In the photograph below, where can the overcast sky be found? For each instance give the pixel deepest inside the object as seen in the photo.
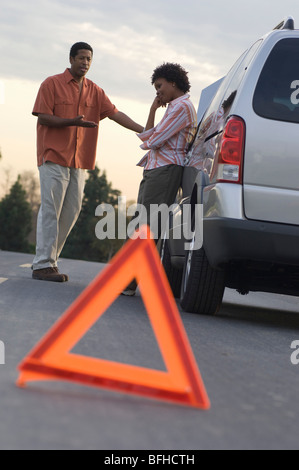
(130, 38)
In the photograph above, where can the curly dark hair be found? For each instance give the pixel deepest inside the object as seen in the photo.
(78, 46)
(173, 73)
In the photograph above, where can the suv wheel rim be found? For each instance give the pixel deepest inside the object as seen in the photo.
(188, 262)
(163, 248)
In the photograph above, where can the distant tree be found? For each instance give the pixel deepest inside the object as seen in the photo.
(30, 184)
(6, 180)
(15, 220)
(82, 242)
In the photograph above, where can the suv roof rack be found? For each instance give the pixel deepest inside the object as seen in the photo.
(288, 23)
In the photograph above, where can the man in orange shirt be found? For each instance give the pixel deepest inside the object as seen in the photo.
(69, 108)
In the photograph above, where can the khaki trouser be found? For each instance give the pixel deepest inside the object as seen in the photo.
(62, 192)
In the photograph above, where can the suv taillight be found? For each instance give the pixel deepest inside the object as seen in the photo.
(231, 151)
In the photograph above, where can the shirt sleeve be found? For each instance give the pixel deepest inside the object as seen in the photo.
(145, 135)
(107, 108)
(44, 103)
(170, 125)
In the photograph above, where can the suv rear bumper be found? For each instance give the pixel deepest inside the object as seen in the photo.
(228, 240)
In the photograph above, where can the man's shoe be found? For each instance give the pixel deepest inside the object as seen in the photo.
(65, 275)
(131, 289)
(129, 292)
(49, 274)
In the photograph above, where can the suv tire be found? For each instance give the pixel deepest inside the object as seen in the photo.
(202, 286)
(174, 275)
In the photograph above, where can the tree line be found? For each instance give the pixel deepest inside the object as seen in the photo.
(19, 210)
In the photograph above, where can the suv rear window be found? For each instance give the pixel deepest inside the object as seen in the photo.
(277, 92)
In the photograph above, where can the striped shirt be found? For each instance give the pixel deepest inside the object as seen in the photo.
(168, 141)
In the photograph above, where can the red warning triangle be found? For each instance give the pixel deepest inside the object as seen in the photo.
(51, 359)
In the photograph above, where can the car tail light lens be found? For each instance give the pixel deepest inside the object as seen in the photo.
(231, 151)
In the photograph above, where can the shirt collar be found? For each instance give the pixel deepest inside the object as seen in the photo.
(69, 77)
(180, 98)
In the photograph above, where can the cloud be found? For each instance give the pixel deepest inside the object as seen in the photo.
(129, 39)
(132, 37)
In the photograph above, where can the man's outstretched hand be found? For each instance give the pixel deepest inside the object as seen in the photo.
(79, 121)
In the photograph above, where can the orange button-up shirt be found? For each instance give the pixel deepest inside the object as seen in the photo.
(72, 146)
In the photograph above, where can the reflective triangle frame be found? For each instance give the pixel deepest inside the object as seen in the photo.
(51, 359)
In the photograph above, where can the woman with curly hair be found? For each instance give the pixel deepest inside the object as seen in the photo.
(166, 145)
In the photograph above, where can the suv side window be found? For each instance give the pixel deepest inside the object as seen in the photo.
(231, 92)
(277, 91)
(215, 116)
(195, 156)
(218, 98)
(227, 92)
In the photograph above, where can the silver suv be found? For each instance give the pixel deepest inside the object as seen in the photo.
(243, 172)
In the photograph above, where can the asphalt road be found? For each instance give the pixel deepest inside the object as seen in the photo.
(243, 355)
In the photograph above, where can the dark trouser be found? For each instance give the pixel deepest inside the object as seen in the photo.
(159, 186)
